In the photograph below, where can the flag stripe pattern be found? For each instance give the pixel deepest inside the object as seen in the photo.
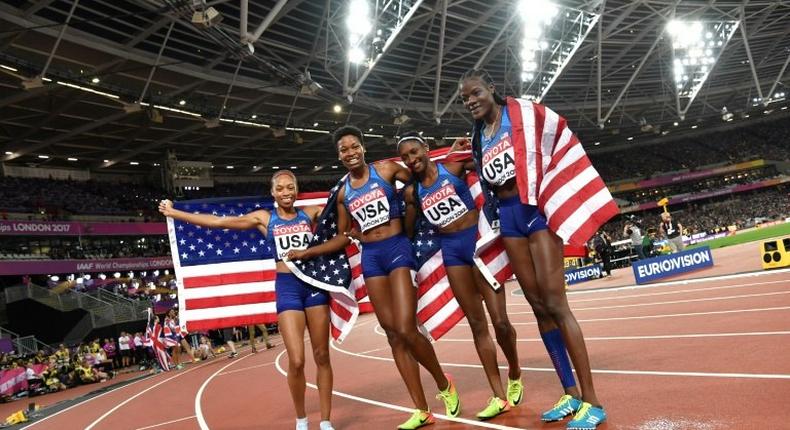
(554, 173)
(226, 278)
(333, 272)
(437, 309)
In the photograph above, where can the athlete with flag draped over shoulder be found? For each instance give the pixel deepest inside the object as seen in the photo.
(548, 193)
(299, 304)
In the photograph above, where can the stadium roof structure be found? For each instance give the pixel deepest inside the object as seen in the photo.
(116, 84)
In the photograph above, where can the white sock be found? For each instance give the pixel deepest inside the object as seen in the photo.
(301, 423)
(326, 425)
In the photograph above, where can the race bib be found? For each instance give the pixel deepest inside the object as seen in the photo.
(370, 209)
(294, 237)
(443, 206)
(498, 162)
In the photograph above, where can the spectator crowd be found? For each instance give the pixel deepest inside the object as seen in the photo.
(770, 141)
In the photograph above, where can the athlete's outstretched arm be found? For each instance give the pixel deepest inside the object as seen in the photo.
(255, 219)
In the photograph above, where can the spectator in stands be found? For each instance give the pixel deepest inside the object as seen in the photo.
(88, 374)
(139, 350)
(672, 231)
(63, 355)
(112, 352)
(41, 357)
(95, 346)
(204, 350)
(124, 349)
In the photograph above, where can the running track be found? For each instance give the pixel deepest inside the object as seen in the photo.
(709, 354)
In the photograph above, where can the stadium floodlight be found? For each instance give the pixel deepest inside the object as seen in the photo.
(696, 46)
(359, 24)
(371, 28)
(551, 35)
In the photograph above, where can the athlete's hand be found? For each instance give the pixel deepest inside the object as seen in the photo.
(461, 144)
(353, 234)
(294, 255)
(166, 207)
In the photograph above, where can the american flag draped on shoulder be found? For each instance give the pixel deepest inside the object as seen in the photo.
(226, 277)
(554, 173)
(338, 273)
(437, 309)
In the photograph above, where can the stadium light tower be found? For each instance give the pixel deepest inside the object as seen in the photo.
(696, 46)
(372, 26)
(551, 35)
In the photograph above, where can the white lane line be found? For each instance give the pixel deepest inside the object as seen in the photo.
(246, 368)
(645, 317)
(648, 337)
(398, 407)
(84, 402)
(119, 405)
(198, 409)
(378, 330)
(667, 293)
(672, 302)
(668, 283)
(374, 350)
(166, 423)
(600, 371)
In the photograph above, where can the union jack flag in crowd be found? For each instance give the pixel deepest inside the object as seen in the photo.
(153, 336)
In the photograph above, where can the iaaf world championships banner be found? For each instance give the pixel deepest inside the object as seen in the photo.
(67, 228)
(49, 267)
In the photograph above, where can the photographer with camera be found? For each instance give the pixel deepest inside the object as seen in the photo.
(633, 231)
(602, 244)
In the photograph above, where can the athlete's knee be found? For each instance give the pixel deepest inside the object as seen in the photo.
(556, 305)
(295, 364)
(321, 356)
(396, 338)
(479, 327)
(538, 307)
(503, 330)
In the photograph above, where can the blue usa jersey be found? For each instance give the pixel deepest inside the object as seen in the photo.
(284, 235)
(446, 200)
(372, 204)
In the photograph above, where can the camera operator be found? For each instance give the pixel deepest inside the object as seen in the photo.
(602, 244)
(633, 231)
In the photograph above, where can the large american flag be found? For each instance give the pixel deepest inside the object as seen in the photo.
(554, 173)
(226, 278)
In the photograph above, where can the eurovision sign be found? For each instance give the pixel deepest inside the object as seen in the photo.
(669, 265)
(49, 267)
(583, 274)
